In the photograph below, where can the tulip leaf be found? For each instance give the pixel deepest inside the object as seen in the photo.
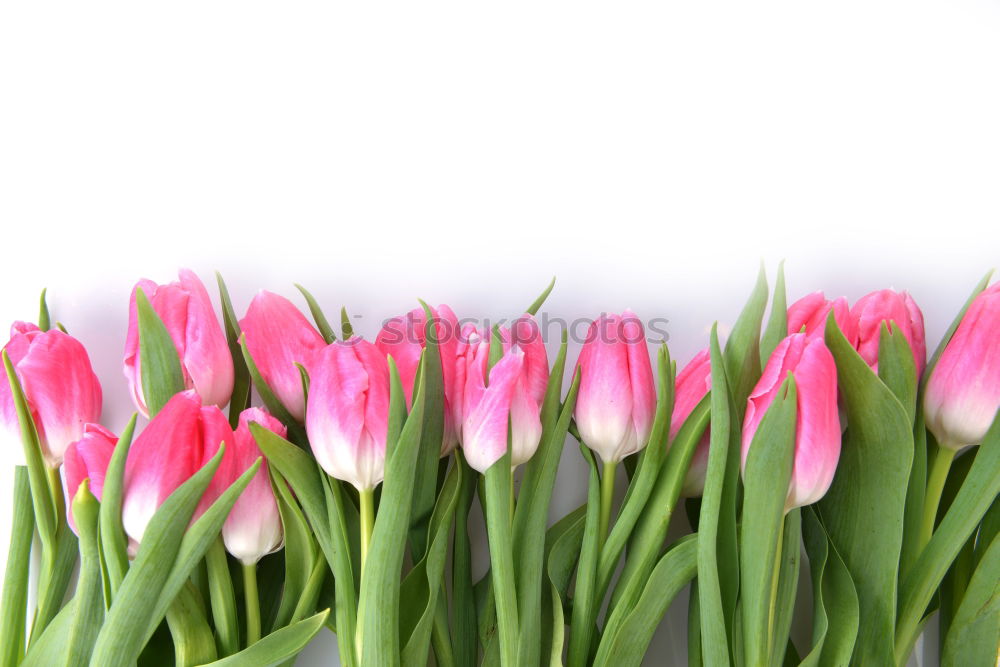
(44, 322)
(189, 629)
(317, 313)
(114, 544)
(342, 556)
(240, 400)
(536, 305)
(160, 366)
(277, 647)
(134, 608)
(585, 603)
(50, 648)
(975, 630)
(222, 598)
(788, 581)
(274, 406)
(896, 367)
(300, 549)
(625, 641)
(777, 322)
(743, 347)
(766, 477)
(463, 603)
(13, 608)
(974, 498)
(88, 601)
(562, 549)
(53, 579)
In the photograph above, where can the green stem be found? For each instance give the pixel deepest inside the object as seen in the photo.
(252, 603)
(607, 496)
(367, 523)
(501, 560)
(935, 485)
(56, 490)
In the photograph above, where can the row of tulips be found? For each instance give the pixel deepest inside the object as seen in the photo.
(344, 499)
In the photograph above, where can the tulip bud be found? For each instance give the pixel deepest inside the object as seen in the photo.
(253, 527)
(60, 387)
(88, 458)
(187, 313)
(693, 383)
(487, 403)
(179, 440)
(817, 425)
(529, 389)
(809, 313)
(347, 412)
(617, 397)
(404, 338)
(963, 392)
(887, 305)
(278, 336)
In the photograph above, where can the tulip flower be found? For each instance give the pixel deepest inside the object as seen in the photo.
(278, 336)
(88, 458)
(529, 390)
(809, 313)
(817, 425)
(693, 383)
(617, 398)
(178, 441)
(887, 305)
(347, 413)
(60, 387)
(187, 313)
(253, 527)
(404, 338)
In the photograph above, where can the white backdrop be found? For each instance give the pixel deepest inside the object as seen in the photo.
(648, 154)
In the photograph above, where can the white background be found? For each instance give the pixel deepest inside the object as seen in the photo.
(649, 154)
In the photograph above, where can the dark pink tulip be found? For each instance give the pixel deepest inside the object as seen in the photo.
(963, 392)
(278, 336)
(88, 458)
(887, 305)
(693, 383)
(347, 414)
(817, 427)
(617, 399)
(253, 527)
(404, 337)
(809, 314)
(60, 386)
(178, 441)
(187, 313)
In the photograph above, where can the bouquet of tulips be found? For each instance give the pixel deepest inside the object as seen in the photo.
(289, 478)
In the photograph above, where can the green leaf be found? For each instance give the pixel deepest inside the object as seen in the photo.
(88, 601)
(342, 558)
(777, 323)
(975, 630)
(50, 648)
(788, 582)
(562, 547)
(300, 549)
(53, 580)
(498, 528)
(160, 367)
(114, 544)
(896, 368)
(15, 584)
(743, 347)
(193, 640)
(626, 640)
(240, 400)
(766, 478)
(870, 482)
(278, 646)
(346, 330)
(222, 599)
(44, 322)
(321, 322)
(537, 303)
(463, 603)
(585, 602)
(835, 602)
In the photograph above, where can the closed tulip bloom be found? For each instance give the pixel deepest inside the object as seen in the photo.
(617, 397)
(529, 389)
(187, 313)
(347, 414)
(817, 425)
(487, 402)
(178, 441)
(278, 336)
(88, 458)
(809, 314)
(888, 305)
(963, 392)
(60, 387)
(253, 527)
(693, 384)
(404, 338)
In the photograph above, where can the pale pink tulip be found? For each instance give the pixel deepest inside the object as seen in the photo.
(88, 458)
(487, 402)
(529, 389)
(693, 383)
(887, 305)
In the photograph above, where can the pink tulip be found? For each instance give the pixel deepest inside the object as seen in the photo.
(278, 336)
(487, 402)
(187, 313)
(693, 383)
(60, 387)
(617, 398)
(253, 527)
(887, 305)
(404, 337)
(810, 313)
(817, 425)
(347, 413)
(178, 441)
(88, 458)
(963, 392)
(529, 389)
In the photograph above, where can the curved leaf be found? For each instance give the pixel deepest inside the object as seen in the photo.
(278, 646)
